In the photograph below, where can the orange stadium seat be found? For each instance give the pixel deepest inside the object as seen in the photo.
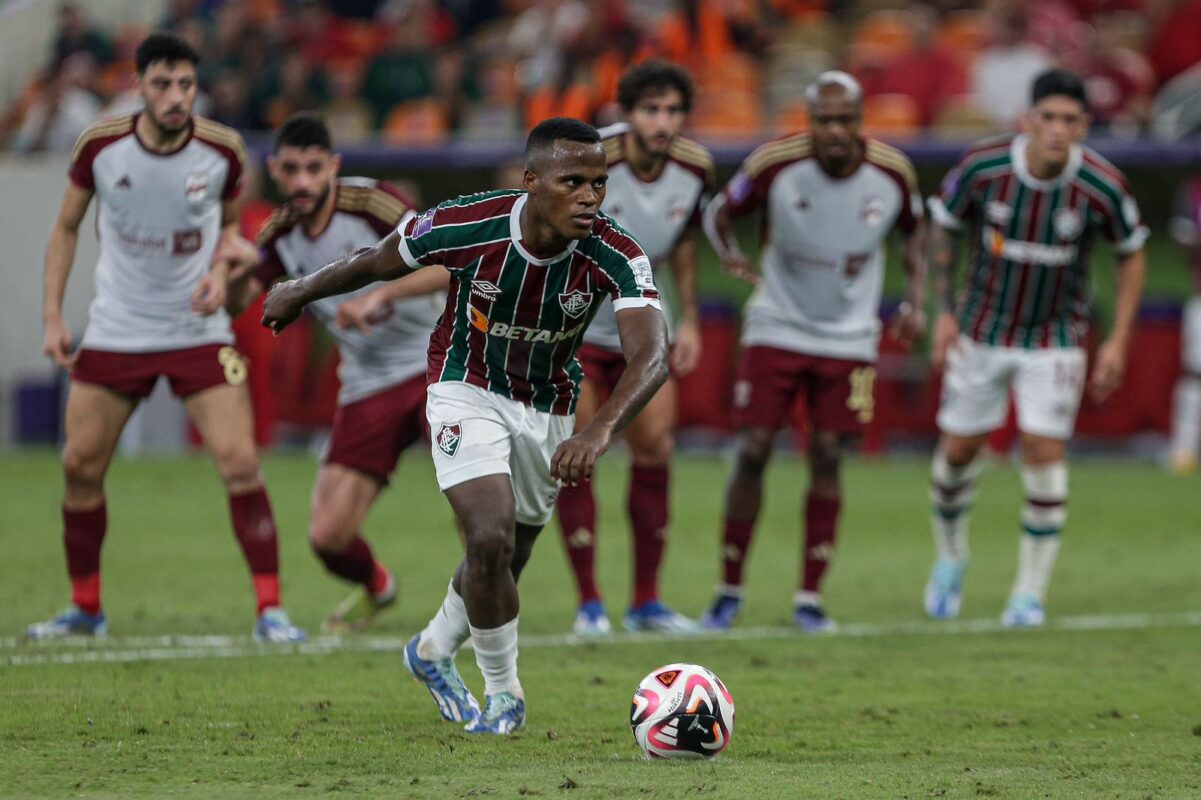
(578, 101)
(964, 34)
(730, 71)
(417, 122)
(962, 118)
(728, 115)
(792, 117)
(891, 116)
(886, 30)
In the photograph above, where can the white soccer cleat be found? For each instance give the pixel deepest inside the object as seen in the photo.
(274, 627)
(944, 590)
(592, 621)
(1023, 611)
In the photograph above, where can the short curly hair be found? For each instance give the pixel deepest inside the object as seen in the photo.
(654, 76)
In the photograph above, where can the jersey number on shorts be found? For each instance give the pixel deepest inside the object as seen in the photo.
(862, 399)
(233, 364)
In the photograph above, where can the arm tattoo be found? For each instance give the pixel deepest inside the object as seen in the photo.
(943, 257)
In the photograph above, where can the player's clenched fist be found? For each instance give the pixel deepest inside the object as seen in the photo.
(575, 458)
(56, 343)
(282, 306)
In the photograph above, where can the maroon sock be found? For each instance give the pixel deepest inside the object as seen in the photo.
(254, 526)
(83, 534)
(355, 564)
(821, 528)
(736, 546)
(577, 521)
(647, 505)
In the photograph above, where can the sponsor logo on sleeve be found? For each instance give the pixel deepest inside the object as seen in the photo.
(424, 224)
(740, 187)
(644, 277)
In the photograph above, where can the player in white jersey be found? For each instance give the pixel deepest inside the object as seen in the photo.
(1186, 397)
(381, 404)
(811, 328)
(167, 184)
(658, 182)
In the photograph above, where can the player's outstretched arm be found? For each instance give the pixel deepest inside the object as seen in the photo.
(1111, 355)
(686, 349)
(943, 258)
(60, 255)
(362, 267)
(644, 344)
(242, 259)
(719, 229)
(363, 313)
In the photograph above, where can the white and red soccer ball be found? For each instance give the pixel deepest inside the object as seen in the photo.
(682, 711)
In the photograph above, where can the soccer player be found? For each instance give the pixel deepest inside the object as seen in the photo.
(1186, 399)
(1029, 205)
(381, 338)
(811, 328)
(167, 184)
(529, 270)
(658, 181)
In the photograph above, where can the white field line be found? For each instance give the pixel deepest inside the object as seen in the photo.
(15, 651)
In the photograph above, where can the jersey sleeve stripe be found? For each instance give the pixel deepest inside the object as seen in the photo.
(882, 155)
(103, 129)
(279, 223)
(791, 149)
(218, 134)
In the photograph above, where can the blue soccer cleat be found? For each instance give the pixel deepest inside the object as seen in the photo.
(454, 700)
(274, 627)
(72, 622)
(503, 713)
(654, 616)
(722, 613)
(811, 618)
(944, 590)
(1024, 610)
(592, 620)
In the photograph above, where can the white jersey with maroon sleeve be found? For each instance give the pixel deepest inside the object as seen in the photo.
(365, 211)
(823, 249)
(159, 220)
(656, 213)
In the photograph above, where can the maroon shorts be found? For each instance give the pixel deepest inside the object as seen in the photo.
(838, 393)
(190, 370)
(370, 434)
(603, 367)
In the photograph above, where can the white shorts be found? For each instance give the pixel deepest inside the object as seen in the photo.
(1190, 336)
(476, 433)
(1047, 384)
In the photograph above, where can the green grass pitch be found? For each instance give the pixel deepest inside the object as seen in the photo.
(1108, 706)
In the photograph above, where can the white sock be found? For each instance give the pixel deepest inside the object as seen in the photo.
(447, 631)
(952, 490)
(1043, 517)
(803, 598)
(1186, 415)
(496, 655)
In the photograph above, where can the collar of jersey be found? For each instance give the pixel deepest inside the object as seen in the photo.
(1017, 152)
(515, 235)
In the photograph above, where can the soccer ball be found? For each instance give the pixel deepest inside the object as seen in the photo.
(682, 711)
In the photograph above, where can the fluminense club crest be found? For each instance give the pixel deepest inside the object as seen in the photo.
(448, 438)
(574, 303)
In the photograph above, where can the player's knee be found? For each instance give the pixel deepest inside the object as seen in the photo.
(655, 450)
(238, 467)
(755, 451)
(328, 534)
(959, 452)
(82, 470)
(490, 547)
(825, 455)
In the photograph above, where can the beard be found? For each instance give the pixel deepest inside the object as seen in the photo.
(169, 127)
(648, 147)
(318, 199)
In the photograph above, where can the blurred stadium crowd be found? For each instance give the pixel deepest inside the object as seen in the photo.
(427, 71)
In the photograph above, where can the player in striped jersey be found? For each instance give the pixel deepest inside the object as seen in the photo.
(381, 402)
(1029, 205)
(658, 183)
(811, 330)
(167, 184)
(529, 270)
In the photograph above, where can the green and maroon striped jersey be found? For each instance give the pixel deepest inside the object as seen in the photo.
(1027, 283)
(513, 321)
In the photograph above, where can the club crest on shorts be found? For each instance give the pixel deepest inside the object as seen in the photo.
(448, 438)
(574, 303)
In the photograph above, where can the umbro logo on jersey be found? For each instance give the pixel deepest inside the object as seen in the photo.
(574, 304)
(485, 289)
(124, 183)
